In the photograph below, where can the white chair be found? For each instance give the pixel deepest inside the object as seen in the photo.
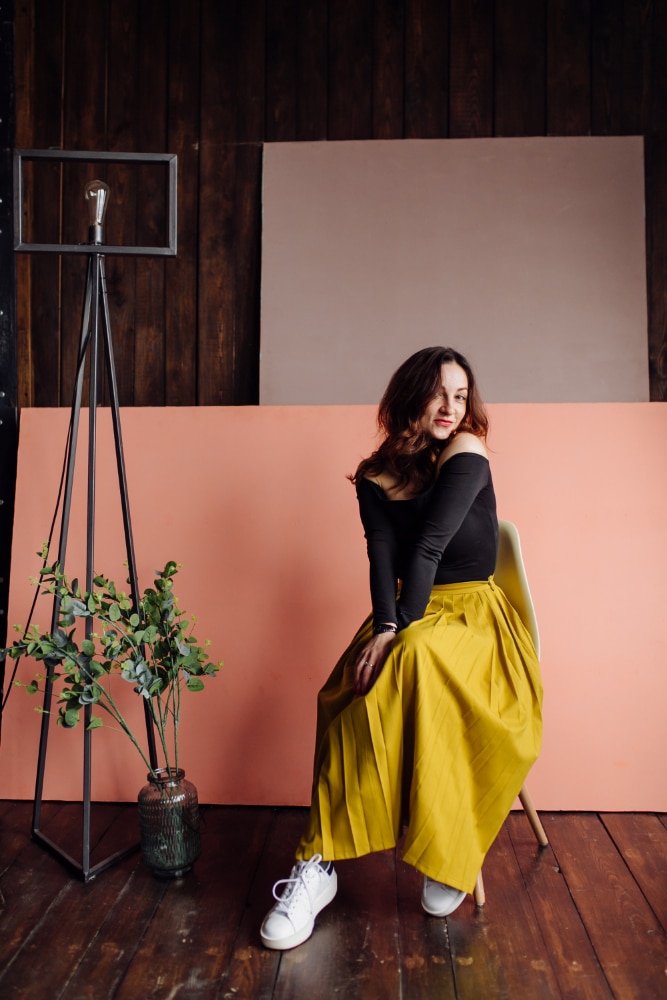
(510, 575)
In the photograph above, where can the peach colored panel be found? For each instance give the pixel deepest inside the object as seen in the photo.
(254, 503)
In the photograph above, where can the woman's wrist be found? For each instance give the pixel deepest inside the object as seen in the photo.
(385, 627)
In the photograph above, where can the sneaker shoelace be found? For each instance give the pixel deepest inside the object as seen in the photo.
(296, 884)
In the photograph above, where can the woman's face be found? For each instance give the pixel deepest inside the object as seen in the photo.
(446, 410)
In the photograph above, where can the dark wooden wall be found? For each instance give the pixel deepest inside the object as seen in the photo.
(8, 385)
(212, 80)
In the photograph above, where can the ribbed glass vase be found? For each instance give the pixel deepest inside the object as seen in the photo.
(169, 823)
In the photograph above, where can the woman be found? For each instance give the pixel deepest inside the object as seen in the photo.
(432, 717)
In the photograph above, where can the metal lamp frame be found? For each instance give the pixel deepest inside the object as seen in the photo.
(95, 332)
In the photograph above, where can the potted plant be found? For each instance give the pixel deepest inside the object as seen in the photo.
(151, 647)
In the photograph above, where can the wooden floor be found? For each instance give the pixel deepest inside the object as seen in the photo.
(583, 918)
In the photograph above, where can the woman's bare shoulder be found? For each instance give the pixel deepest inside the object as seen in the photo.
(385, 481)
(390, 488)
(464, 442)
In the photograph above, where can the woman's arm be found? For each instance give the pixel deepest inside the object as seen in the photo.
(382, 551)
(461, 478)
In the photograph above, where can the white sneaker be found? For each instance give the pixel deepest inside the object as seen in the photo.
(307, 891)
(438, 899)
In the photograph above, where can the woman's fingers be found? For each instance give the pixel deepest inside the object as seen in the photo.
(370, 671)
(365, 677)
(370, 662)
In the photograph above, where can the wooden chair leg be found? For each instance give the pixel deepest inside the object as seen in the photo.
(479, 894)
(538, 830)
(534, 819)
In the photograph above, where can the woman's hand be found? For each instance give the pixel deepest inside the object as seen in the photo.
(370, 661)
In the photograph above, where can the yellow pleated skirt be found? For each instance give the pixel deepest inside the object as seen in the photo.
(440, 745)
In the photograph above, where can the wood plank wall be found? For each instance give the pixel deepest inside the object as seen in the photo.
(8, 385)
(212, 80)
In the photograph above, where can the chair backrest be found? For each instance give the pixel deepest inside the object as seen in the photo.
(510, 575)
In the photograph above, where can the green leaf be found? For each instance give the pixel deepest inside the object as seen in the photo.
(59, 638)
(95, 723)
(69, 717)
(88, 647)
(114, 613)
(195, 684)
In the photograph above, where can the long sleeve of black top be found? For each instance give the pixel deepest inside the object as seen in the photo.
(410, 539)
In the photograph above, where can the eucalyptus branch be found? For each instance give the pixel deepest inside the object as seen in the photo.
(118, 717)
(150, 646)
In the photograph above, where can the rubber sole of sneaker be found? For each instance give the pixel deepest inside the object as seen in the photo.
(444, 911)
(298, 937)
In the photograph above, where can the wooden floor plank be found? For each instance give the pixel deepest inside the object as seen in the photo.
(353, 953)
(641, 840)
(498, 949)
(252, 969)
(29, 887)
(572, 956)
(119, 834)
(15, 821)
(119, 936)
(624, 931)
(102, 816)
(62, 935)
(10, 807)
(187, 947)
(426, 959)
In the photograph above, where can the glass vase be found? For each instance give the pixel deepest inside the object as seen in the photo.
(169, 823)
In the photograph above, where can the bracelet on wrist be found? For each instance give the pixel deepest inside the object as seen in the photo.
(385, 627)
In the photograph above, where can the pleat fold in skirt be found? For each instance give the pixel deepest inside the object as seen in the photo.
(439, 747)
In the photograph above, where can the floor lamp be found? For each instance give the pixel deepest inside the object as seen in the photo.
(95, 331)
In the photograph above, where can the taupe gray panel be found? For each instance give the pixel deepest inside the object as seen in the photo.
(526, 254)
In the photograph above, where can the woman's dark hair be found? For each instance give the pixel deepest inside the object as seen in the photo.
(407, 452)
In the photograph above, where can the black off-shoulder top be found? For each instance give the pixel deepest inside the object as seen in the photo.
(448, 534)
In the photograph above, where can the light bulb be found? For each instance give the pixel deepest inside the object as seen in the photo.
(97, 196)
